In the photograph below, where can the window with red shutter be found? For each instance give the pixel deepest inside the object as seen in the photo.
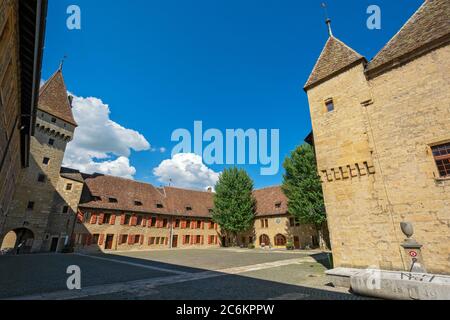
(101, 239)
(122, 219)
(101, 218)
(93, 218)
(113, 220)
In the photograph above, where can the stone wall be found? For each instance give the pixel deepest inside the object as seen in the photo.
(374, 157)
(9, 107)
(92, 233)
(45, 219)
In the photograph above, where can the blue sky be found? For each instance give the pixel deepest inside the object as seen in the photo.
(161, 65)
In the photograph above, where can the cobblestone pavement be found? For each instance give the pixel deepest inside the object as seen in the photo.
(235, 274)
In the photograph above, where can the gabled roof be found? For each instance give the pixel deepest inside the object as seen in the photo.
(336, 57)
(53, 98)
(430, 24)
(267, 200)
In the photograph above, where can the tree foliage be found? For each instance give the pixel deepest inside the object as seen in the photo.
(302, 187)
(234, 205)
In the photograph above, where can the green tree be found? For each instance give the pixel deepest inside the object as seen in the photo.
(302, 187)
(234, 205)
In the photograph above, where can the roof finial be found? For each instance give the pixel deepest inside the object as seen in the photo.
(61, 65)
(327, 19)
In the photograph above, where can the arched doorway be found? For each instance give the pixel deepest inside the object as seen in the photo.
(264, 240)
(21, 240)
(280, 240)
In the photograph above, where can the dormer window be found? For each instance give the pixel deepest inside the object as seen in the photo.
(138, 203)
(159, 206)
(96, 198)
(188, 208)
(53, 120)
(112, 200)
(330, 105)
(278, 205)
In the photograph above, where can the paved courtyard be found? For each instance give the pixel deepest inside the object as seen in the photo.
(235, 274)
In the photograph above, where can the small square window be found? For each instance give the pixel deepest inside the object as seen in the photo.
(112, 200)
(188, 208)
(30, 205)
(51, 142)
(138, 203)
(159, 206)
(65, 209)
(53, 120)
(42, 178)
(46, 161)
(330, 105)
(69, 187)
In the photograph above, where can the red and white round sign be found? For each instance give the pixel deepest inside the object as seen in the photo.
(413, 254)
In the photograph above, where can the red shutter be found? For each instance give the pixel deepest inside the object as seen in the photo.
(215, 226)
(192, 239)
(184, 239)
(80, 217)
(93, 218)
(144, 222)
(122, 219)
(130, 239)
(133, 221)
(101, 239)
(113, 220)
(101, 218)
(202, 226)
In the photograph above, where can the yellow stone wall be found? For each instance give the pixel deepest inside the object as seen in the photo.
(375, 161)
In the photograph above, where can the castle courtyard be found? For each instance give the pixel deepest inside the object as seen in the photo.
(192, 274)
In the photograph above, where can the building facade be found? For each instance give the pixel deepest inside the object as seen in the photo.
(117, 214)
(22, 28)
(382, 140)
(40, 209)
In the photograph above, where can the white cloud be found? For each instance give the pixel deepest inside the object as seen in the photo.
(100, 144)
(186, 170)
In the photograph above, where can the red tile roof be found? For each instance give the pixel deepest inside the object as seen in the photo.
(268, 200)
(175, 201)
(53, 98)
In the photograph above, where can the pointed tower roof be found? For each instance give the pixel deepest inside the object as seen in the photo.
(335, 58)
(53, 98)
(427, 28)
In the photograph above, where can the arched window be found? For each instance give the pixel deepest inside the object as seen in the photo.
(280, 240)
(264, 240)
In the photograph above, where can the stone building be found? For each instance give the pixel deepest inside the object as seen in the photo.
(41, 215)
(382, 140)
(274, 226)
(22, 28)
(121, 214)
